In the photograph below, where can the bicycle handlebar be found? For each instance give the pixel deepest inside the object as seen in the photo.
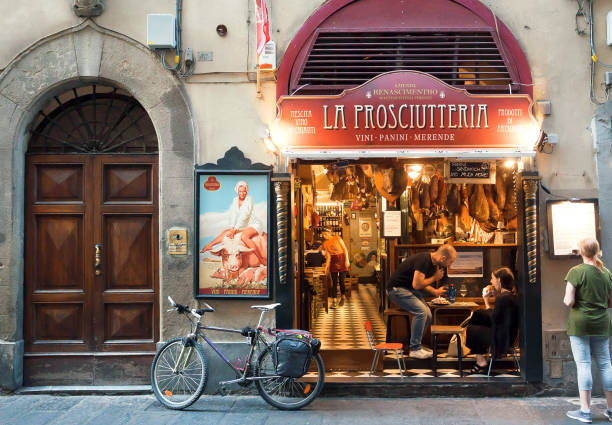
(180, 309)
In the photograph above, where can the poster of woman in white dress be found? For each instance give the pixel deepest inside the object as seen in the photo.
(232, 235)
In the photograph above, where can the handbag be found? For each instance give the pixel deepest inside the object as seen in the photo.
(452, 345)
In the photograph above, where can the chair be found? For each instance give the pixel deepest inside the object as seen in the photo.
(397, 348)
(349, 284)
(514, 356)
(446, 330)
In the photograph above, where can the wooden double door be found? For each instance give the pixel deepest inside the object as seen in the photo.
(91, 264)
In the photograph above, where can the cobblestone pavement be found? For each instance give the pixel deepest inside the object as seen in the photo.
(252, 410)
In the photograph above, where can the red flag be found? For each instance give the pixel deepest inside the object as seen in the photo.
(263, 25)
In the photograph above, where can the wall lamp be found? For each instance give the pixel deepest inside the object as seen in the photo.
(270, 145)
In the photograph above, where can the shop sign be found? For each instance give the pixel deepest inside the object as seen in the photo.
(406, 109)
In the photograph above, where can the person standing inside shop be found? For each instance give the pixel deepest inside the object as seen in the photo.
(588, 293)
(412, 277)
(336, 263)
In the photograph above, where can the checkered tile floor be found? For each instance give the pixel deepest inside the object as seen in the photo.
(343, 329)
(418, 373)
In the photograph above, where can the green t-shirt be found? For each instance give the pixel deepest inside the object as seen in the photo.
(589, 315)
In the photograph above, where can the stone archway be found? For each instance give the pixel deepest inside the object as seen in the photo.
(86, 52)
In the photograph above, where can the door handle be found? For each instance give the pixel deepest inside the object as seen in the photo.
(98, 259)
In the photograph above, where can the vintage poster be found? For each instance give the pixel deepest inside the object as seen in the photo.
(365, 228)
(232, 234)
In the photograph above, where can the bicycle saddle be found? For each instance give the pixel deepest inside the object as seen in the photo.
(266, 307)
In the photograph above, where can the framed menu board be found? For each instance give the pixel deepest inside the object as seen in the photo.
(568, 223)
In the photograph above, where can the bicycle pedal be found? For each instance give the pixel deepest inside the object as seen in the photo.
(223, 391)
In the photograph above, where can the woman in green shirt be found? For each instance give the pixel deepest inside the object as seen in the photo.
(588, 293)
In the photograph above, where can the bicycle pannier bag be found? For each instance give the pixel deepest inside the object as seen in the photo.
(292, 355)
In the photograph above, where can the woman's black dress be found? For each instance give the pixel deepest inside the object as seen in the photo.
(499, 325)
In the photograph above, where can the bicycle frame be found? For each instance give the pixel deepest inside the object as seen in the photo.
(241, 373)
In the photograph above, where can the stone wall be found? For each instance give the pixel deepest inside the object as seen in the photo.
(67, 59)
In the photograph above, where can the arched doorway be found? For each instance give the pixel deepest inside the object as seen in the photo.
(91, 245)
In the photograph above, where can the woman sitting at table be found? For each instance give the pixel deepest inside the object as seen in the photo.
(497, 326)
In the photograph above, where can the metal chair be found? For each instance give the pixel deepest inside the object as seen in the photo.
(514, 356)
(396, 347)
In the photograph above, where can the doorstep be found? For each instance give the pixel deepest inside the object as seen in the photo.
(87, 389)
(430, 387)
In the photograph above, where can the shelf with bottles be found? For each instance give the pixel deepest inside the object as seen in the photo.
(331, 222)
(327, 211)
(335, 230)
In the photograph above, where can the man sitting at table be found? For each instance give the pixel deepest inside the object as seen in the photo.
(407, 284)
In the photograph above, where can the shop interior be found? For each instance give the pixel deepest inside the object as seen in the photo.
(351, 200)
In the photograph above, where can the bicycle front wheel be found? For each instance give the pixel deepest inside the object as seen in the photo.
(178, 381)
(288, 393)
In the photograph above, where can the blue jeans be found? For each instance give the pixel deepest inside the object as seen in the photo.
(414, 304)
(582, 348)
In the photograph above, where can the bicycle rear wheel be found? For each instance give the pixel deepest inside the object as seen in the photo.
(289, 393)
(177, 386)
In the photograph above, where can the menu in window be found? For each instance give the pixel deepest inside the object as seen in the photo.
(571, 222)
(392, 224)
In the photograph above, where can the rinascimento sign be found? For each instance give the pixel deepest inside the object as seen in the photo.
(406, 109)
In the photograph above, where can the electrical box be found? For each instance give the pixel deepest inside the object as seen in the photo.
(609, 28)
(543, 107)
(267, 60)
(161, 31)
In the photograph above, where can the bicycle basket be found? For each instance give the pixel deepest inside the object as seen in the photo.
(293, 353)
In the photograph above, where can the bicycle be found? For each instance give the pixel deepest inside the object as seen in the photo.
(179, 371)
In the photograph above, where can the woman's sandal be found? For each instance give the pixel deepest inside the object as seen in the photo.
(478, 370)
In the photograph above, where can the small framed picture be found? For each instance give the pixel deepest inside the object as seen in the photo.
(353, 216)
(467, 264)
(232, 222)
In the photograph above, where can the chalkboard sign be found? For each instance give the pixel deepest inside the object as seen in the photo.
(470, 171)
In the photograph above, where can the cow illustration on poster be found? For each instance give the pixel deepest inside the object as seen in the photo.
(232, 235)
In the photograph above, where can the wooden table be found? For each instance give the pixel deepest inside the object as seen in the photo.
(468, 306)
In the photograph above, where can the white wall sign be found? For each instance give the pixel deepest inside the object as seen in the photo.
(568, 223)
(392, 224)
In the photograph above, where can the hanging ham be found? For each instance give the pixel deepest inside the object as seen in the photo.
(442, 195)
(434, 187)
(479, 207)
(510, 207)
(452, 200)
(493, 209)
(500, 190)
(424, 195)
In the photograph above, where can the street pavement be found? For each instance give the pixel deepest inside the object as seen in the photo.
(252, 410)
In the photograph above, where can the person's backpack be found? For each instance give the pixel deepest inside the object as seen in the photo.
(293, 351)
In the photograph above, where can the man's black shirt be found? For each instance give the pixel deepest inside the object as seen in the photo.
(404, 274)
